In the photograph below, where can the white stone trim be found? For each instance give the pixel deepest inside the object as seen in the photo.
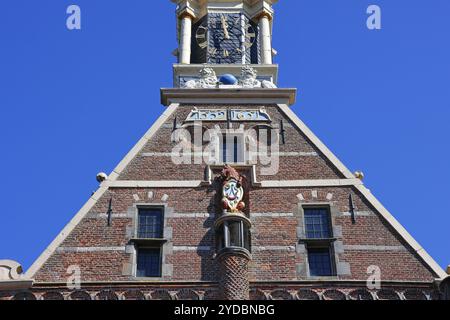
(192, 215)
(191, 248)
(270, 215)
(113, 216)
(310, 183)
(273, 248)
(154, 184)
(365, 192)
(403, 233)
(206, 154)
(89, 249)
(264, 184)
(295, 154)
(99, 193)
(373, 248)
(357, 213)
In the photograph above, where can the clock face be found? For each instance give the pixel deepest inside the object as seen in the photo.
(226, 37)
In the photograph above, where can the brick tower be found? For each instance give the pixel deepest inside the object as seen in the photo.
(229, 195)
(233, 239)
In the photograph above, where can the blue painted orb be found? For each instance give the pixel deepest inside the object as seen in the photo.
(228, 79)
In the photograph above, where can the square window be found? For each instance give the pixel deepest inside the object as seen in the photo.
(317, 223)
(320, 262)
(148, 263)
(150, 225)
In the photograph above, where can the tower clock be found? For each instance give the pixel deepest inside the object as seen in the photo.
(225, 38)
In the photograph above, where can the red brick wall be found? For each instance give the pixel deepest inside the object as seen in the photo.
(273, 265)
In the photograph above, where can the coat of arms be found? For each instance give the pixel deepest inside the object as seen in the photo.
(232, 192)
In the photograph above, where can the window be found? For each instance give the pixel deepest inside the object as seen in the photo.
(232, 149)
(319, 262)
(149, 262)
(317, 224)
(266, 135)
(233, 234)
(150, 223)
(318, 241)
(149, 241)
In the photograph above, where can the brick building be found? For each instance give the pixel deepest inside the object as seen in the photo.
(229, 195)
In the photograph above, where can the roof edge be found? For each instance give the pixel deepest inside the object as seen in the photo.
(420, 251)
(31, 272)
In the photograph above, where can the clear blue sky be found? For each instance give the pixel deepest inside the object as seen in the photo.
(74, 102)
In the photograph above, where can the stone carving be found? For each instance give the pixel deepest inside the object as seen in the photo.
(281, 294)
(187, 294)
(134, 295)
(208, 79)
(10, 270)
(414, 294)
(388, 294)
(248, 79)
(107, 295)
(53, 295)
(232, 192)
(213, 294)
(360, 294)
(26, 295)
(307, 294)
(207, 115)
(80, 295)
(222, 115)
(257, 294)
(250, 115)
(334, 294)
(161, 294)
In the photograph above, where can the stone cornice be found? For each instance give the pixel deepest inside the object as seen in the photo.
(187, 7)
(16, 284)
(196, 8)
(232, 95)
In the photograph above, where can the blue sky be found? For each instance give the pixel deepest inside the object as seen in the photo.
(74, 102)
